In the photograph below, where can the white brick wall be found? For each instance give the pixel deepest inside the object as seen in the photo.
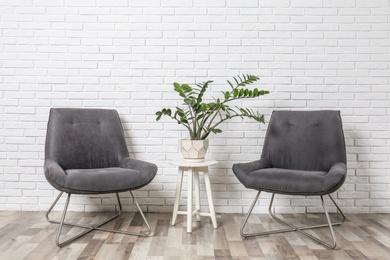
(125, 54)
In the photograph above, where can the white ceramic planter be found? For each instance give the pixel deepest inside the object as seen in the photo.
(194, 150)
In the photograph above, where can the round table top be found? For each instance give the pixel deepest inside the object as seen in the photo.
(184, 163)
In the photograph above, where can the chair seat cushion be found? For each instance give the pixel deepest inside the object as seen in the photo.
(286, 181)
(103, 180)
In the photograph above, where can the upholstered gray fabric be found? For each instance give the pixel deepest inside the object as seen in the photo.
(303, 154)
(305, 140)
(85, 138)
(86, 153)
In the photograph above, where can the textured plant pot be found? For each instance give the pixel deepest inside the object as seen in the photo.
(194, 150)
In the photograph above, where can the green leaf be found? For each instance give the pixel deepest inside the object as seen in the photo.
(200, 116)
(227, 95)
(235, 93)
(211, 105)
(215, 130)
(176, 86)
(201, 108)
(158, 115)
(186, 88)
(236, 80)
(187, 101)
(240, 78)
(231, 85)
(181, 114)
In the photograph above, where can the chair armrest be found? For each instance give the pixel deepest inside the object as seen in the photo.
(252, 166)
(54, 173)
(138, 165)
(335, 177)
(241, 170)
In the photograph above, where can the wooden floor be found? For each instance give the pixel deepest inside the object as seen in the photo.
(27, 235)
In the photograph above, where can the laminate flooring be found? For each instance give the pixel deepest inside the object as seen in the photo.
(27, 235)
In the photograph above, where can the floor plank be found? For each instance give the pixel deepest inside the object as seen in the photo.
(27, 235)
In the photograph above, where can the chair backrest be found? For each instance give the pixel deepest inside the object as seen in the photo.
(85, 138)
(305, 140)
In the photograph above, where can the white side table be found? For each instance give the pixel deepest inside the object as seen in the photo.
(193, 169)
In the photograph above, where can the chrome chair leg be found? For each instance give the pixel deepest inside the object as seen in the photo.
(247, 217)
(142, 215)
(95, 227)
(294, 228)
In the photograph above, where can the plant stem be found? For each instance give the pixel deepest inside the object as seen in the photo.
(186, 126)
(193, 120)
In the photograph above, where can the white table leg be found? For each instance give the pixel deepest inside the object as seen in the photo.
(177, 196)
(197, 194)
(189, 203)
(210, 197)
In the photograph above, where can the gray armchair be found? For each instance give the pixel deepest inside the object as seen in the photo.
(303, 154)
(86, 153)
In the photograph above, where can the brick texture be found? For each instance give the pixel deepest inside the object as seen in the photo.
(125, 54)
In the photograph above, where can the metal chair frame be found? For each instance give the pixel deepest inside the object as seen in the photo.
(293, 227)
(96, 227)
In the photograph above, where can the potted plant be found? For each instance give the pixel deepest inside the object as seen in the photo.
(202, 118)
